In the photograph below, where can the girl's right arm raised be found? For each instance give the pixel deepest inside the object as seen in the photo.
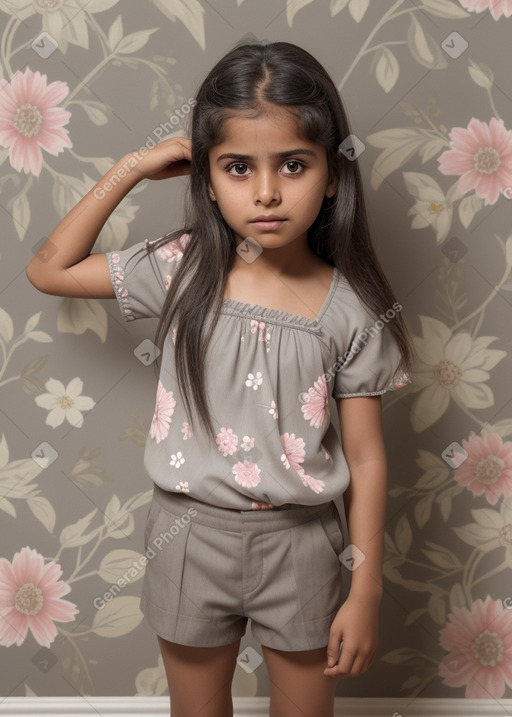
(64, 265)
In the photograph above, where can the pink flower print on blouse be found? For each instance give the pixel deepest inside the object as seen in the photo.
(226, 441)
(317, 486)
(164, 409)
(273, 410)
(174, 332)
(480, 644)
(183, 487)
(186, 430)
(260, 326)
(247, 474)
(294, 454)
(173, 250)
(247, 443)
(31, 599)
(488, 467)
(167, 282)
(316, 408)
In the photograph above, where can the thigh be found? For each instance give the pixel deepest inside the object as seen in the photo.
(199, 678)
(299, 687)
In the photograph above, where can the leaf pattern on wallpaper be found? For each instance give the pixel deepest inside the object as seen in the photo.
(17, 484)
(9, 343)
(77, 315)
(191, 14)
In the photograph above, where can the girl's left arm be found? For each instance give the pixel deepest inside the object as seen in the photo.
(356, 623)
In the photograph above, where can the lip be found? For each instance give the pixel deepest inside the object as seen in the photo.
(268, 218)
(270, 221)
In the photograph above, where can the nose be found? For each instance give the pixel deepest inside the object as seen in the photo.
(266, 187)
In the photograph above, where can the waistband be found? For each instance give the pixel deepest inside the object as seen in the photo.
(214, 516)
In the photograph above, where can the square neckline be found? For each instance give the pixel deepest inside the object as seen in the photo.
(265, 312)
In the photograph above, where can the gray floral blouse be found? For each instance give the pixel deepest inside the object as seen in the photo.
(269, 375)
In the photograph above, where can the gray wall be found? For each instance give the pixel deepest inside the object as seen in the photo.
(407, 82)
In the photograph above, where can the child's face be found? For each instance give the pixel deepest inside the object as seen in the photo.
(258, 183)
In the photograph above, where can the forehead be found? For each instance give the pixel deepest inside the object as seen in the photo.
(268, 132)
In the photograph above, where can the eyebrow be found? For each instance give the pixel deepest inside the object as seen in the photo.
(277, 155)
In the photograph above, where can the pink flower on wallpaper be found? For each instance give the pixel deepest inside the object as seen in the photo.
(164, 408)
(482, 156)
(497, 7)
(30, 119)
(30, 598)
(294, 452)
(247, 474)
(316, 408)
(174, 249)
(226, 441)
(480, 645)
(488, 467)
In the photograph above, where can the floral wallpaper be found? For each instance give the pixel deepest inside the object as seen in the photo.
(426, 84)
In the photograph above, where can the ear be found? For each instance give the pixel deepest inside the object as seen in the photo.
(211, 193)
(331, 188)
(333, 184)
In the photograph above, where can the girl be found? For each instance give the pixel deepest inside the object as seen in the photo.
(270, 300)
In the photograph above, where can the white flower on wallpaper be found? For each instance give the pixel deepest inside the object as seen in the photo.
(64, 403)
(492, 529)
(432, 207)
(451, 366)
(67, 20)
(64, 20)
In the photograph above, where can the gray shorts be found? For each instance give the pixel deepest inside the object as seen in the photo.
(209, 569)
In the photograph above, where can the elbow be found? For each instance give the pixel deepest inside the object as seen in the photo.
(35, 278)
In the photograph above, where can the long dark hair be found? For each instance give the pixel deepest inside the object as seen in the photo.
(246, 78)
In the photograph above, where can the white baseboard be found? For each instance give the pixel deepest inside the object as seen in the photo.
(250, 707)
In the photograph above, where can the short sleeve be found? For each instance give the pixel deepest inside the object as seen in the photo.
(142, 274)
(368, 354)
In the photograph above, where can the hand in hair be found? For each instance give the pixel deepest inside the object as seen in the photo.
(170, 158)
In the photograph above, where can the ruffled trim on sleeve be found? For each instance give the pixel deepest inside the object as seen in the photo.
(399, 380)
(116, 269)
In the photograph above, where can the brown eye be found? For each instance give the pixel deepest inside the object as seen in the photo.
(237, 166)
(296, 167)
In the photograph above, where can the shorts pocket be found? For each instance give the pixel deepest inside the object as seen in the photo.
(332, 528)
(151, 518)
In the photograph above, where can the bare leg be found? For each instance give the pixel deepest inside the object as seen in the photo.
(199, 678)
(299, 687)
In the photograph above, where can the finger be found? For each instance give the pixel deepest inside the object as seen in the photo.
(345, 663)
(333, 649)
